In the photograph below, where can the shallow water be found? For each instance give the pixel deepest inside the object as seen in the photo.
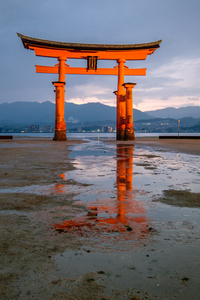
(124, 179)
(134, 242)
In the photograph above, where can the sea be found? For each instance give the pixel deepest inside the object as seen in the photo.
(95, 135)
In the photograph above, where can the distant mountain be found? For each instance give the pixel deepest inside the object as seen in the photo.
(27, 112)
(96, 112)
(89, 112)
(176, 113)
(44, 113)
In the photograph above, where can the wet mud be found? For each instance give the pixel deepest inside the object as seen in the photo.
(99, 220)
(181, 198)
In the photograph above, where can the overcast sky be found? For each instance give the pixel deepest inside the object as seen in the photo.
(173, 71)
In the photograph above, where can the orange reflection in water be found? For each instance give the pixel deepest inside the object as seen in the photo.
(59, 188)
(114, 215)
(62, 175)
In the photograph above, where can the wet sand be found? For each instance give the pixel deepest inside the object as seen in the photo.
(91, 221)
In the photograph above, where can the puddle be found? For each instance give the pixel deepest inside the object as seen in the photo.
(133, 243)
(124, 179)
(113, 209)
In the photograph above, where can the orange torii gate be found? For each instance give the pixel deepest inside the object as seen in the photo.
(92, 53)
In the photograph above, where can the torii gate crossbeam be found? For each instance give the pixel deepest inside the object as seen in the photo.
(85, 71)
(92, 53)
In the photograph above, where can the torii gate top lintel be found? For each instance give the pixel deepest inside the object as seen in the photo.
(80, 50)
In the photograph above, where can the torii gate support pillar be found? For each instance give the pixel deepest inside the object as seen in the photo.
(129, 134)
(60, 125)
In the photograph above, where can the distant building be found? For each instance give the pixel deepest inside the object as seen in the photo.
(107, 129)
(79, 129)
(47, 129)
(33, 128)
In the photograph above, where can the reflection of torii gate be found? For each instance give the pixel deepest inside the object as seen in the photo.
(124, 213)
(92, 53)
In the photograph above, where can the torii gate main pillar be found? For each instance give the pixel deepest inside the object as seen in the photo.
(60, 125)
(121, 101)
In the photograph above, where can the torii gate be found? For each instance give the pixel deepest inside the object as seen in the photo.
(92, 53)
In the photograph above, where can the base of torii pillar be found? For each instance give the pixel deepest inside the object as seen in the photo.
(120, 135)
(60, 135)
(129, 135)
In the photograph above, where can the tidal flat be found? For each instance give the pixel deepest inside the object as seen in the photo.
(100, 219)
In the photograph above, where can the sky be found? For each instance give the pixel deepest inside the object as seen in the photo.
(173, 70)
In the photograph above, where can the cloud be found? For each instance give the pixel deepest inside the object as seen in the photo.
(153, 104)
(172, 84)
(92, 100)
(184, 72)
(100, 90)
(193, 99)
(92, 90)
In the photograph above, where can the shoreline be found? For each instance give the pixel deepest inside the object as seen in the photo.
(183, 145)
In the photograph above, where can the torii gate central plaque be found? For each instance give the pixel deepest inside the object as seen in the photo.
(92, 53)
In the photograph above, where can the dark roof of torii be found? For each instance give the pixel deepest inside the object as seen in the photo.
(29, 41)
